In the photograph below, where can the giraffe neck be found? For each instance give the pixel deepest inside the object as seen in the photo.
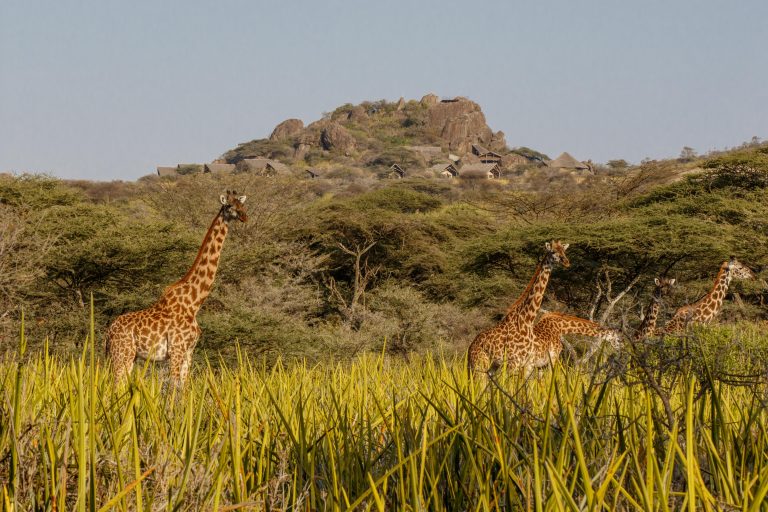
(192, 289)
(566, 324)
(713, 301)
(648, 325)
(531, 301)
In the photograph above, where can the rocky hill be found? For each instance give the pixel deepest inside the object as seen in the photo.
(376, 135)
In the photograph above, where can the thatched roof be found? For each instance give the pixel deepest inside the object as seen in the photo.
(396, 170)
(478, 150)
(277, 166)
(449, 168)
(261, 165)
(490, 157)
(312, 173)
(166, 171)
(486, 171)
(566, 161)
(189, 168)
(219, 168)
(253, 164)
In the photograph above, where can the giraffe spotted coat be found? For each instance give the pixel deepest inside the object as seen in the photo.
(662, 289)
(512, 338)
(549, 331)
(168, 329)
(708, 307)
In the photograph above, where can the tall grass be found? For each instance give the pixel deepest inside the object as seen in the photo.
(374, 434)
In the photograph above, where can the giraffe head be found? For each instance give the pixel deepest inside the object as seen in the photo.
(738, 270)
(555, 253)
(664, 287)
(232, 207)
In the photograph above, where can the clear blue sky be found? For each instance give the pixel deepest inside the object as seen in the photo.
(107, 90)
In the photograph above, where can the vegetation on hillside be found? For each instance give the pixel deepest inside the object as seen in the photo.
(338, 266)
(368, 138)
(384, 283)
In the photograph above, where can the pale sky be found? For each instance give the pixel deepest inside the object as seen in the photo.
(106, 90)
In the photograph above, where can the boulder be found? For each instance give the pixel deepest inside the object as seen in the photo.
(287, 129)
(336, 137)
(430, 100)
(357, 114)
(304, 143)
(460, 123)
(498, 141)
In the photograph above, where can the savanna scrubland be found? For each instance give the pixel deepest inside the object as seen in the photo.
(328, 268)
(330, 372)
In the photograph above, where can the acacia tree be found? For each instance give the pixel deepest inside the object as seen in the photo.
(687, 154)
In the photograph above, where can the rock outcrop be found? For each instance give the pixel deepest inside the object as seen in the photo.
(430, 100)
(498, 141)
(437, 127)
(357, 114)
(460, 123)
(304, 143)
(287, 129)
(336, 137)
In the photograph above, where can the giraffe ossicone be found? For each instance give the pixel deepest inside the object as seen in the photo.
(168, 328)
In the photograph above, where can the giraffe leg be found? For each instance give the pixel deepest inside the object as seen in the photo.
(186, 363)
(479, 363)
(176, 355)
(122, 354)
(181, 356)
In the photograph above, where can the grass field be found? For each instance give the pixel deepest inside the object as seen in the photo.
(374, 434)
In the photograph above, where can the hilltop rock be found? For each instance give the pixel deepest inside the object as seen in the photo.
(357, 114)
(374, 128)
(336, 137)
(287, 129)
(460, 122)
(430, 100)
(303, 144)
(498, 141)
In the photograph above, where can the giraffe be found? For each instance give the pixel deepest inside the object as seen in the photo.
(647, 327)
(168, 329)
(511, 338)
(549, 332)
(705, 309)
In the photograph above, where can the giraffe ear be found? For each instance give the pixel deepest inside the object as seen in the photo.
(565, 246)
(223, 199)
(657, 282)
(548, 246)
(242, 199)
(672, 282)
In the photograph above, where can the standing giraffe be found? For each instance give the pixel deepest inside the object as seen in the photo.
(168, 329)
(647, 327)
(705, 309)
(513, 336)
(549, 331)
